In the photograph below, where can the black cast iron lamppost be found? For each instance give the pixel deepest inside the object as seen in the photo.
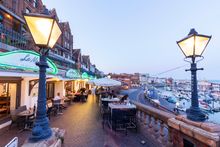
(45, 32)
(192, 47)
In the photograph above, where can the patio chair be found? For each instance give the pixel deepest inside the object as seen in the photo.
(67, 100)
(15, 119)
(131, 120)
(57, 106)
(31, 118)
(50, 109)
(105, 112)
(119, 120)
(21, 108)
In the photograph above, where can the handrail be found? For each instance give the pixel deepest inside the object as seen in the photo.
(160, 114)
(162, 127)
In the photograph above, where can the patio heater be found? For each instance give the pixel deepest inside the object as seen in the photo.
(193, 47)
(45, 32)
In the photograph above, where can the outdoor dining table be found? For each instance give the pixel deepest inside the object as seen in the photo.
(111, 99)
(106, 101)
(119, 106)
(26, 114)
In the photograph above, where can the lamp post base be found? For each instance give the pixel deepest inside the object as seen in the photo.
(41, 130)
(196, 114)
(56, 139)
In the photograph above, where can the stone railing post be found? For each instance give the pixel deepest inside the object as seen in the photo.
(155, 134)
(145, 118)
(170, 141)
(161, 137)
(138, 115)
(155, 122)
(150, 125)
(141, 117)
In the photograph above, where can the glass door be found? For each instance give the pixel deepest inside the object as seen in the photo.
(8, 93)
(12, 91)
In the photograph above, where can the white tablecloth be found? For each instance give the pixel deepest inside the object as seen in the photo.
(111, 100)
(121, 106)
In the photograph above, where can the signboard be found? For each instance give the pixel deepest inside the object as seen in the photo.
(85, 75)
(24, 59)
(13, 142)
(91, 77)
(72, 73)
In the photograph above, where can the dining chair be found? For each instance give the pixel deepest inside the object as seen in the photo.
(105, 112)
(131, 120)
(16, 119)
(51, 109)
(119, 121)
(57, 106)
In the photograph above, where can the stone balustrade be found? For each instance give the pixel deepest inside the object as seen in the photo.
(168, 129)
(156, 122)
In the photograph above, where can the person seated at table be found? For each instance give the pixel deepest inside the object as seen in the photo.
(69, 93)
(124, 98)
(112, 94)
(57, 102)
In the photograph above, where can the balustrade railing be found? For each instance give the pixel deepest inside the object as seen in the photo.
(155, 121)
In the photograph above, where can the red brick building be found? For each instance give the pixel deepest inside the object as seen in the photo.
(128, 80)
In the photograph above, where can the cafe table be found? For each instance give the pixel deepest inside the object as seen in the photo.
(26, 114)
(111, 99)
(119, 106)
(106, 101)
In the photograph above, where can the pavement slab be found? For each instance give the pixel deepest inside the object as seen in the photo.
(83, 125)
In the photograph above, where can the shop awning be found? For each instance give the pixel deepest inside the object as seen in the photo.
(85, 75)
(73, 74)
(105, 82)
(20, 74)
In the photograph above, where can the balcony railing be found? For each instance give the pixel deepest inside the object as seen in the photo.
(9, 37)
(56, 56)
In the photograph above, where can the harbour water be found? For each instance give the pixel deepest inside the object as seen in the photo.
(174, 99)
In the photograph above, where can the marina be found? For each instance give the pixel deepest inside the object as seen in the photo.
(179, 100)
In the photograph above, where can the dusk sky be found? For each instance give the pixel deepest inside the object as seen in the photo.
(127, 36)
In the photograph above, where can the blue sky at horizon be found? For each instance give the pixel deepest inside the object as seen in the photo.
(128, 36)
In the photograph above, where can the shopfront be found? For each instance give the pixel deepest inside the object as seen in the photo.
(10, 94)
(72, 85)
(17, 73)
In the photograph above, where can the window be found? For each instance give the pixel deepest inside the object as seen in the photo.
(67, 34)
(66, 55)
(35, 4)
(56, 51)
(50, 90)
(16, 26)
(8, 99)
(27, 10)
(14, 5)
(65, 44)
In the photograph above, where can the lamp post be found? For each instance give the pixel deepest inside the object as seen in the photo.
(192, 47)
(45, 32)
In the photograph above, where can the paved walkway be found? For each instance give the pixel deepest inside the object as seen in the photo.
(82, 123)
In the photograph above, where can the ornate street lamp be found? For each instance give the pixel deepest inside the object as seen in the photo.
(192, 47)
(45, 32)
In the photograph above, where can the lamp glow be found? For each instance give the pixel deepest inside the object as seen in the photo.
(45, 32)
(194, 44)
(192, 47)
(44, 29)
